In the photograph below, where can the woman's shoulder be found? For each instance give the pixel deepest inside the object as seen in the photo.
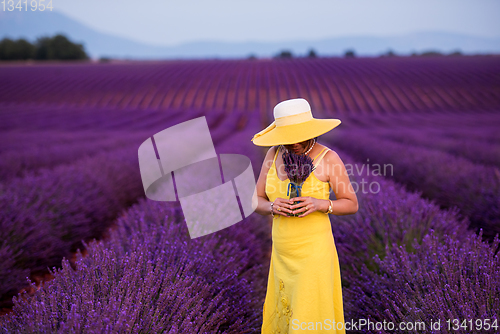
(331, 155)
(271, 152)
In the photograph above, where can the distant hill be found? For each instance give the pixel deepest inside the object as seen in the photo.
(34, 24)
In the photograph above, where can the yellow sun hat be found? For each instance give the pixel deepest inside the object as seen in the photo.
(293, 123)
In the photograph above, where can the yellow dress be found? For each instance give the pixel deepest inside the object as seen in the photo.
(304, 293)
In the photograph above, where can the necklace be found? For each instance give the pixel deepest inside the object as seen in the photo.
(309, 150)
(306, 152)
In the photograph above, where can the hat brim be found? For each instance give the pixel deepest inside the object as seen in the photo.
(296, 133)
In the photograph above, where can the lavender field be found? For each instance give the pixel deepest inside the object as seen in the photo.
(73, 210)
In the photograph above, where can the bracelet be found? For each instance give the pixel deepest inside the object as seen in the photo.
(272, 209)
(330, 208)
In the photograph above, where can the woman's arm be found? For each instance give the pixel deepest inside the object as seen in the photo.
(264, 205)
(347, 201)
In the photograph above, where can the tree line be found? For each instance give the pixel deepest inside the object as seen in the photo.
(58, 47)
(351, 53)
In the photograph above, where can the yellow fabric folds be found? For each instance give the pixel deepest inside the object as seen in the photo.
(266, 130)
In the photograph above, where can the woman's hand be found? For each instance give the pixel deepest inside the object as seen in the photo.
(307, 205)
(282, 206)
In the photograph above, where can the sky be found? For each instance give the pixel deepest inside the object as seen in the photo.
(167, 22)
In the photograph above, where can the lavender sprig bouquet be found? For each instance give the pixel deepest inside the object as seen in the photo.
(298, 168)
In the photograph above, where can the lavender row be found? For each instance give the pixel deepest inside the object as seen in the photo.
(150, 277)
(65, 118)
(117, 276)
(388, 215)
(44, 137)
(451, 181)
(472, 135)
(20, 140)
(389, 219)
(455, 282)
(46, 214)
(403, 259)
(150, 273)
(478, 125)
(360, 86)
(30, 150)
(477, 151)
(16, 163)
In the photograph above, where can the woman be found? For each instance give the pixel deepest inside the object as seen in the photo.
(304, 293)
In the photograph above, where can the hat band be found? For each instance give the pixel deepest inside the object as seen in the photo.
(294, 119)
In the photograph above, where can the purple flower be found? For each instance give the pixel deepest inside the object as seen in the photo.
(297, 167)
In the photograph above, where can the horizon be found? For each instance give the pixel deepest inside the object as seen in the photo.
(280, 21)
(475, 19)
(412, 27)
